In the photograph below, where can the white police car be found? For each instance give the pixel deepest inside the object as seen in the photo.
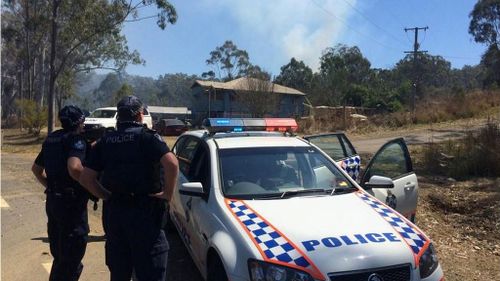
(256, 205)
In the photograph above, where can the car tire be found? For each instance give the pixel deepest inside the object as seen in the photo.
(216, 270)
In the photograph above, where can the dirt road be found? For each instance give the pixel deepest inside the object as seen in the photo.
(25, 249)
(369, 144)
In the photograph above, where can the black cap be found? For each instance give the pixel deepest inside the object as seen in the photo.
(128, 108)
(71, 116)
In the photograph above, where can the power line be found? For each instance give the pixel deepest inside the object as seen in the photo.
(415, 52)
(349, 27)
(459, 57)
(375, 24)
(394, 16)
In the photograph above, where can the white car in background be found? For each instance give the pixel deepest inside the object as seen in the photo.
(257, 205)
(105, 117)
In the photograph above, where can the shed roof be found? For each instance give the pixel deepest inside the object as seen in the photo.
(243, 84)
(169, 109)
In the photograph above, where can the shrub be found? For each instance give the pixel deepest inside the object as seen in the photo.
(33, 116)
(477, 154)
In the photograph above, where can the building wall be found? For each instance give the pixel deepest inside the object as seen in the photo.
(223, 103)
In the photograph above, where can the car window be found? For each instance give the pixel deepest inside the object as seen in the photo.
(254, 172)
(200, 168)
(179, 144)
(390, 162)
(185, 154)
(330, 144)
(145, 111)
(349, 150)
(103, 114)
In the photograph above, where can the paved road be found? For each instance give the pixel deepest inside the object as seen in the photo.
(25, 249)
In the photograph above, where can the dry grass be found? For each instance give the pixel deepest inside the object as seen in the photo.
(478, 154)
(473, 105)
(17, 141)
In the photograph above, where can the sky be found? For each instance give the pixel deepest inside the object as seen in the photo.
(274, 31)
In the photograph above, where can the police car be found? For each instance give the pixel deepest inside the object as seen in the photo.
(254, 203)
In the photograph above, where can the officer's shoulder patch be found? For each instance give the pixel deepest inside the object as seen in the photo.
(159, 137)
(79, 145)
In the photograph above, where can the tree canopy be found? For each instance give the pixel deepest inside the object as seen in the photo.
(485, 22)
(53, 40)
(228, 62)
(295, 74)
(485, 28)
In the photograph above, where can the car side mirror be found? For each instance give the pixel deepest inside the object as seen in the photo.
(192, 189)
(379, 182)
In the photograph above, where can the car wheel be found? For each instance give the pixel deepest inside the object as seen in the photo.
(216, 270)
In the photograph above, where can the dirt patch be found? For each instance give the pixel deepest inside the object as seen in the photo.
(17, 141)
(463, 220)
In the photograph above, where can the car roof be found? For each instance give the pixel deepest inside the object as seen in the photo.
(106, 108)
(260, 141)
(249, 139)
(173, 122)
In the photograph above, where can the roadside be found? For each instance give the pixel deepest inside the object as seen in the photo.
(463, 220)
(416, 134)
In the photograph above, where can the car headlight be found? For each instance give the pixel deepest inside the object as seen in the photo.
(264, 271)
(428, 262)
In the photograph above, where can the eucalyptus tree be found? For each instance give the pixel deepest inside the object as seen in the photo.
(85, 34)
(227, 62)
(485, 28)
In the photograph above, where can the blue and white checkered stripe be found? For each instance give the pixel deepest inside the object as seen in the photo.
(352, 165)
(271, 243)
(413, 237)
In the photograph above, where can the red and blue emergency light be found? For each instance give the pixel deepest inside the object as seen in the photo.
(218, 125)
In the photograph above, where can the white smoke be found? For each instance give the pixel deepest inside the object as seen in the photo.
(297, 28)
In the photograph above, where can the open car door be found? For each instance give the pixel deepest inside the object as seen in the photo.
(340, 149)
(393, 161)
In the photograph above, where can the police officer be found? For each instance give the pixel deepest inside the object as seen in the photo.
(58, 167)
(129, 160)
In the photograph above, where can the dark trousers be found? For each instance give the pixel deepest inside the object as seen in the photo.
(135, 240)
(67, 229)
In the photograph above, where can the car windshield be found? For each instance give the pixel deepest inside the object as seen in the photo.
(103, 114)
(278, 172)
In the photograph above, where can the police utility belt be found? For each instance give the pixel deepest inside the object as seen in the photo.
(61, 188)
(130, 197)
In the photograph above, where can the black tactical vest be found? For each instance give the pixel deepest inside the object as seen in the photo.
(128, 169)
(55, 158)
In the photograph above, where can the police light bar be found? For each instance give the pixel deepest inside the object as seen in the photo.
(281, 124)
(218, 125)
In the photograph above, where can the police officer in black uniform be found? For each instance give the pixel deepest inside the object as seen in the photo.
(134, 200)
(58, 167)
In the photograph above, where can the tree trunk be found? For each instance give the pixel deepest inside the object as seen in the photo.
(53, 72)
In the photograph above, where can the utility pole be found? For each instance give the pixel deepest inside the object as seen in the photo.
(415, 52)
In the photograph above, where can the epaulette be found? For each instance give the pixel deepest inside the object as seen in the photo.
(151, 131)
